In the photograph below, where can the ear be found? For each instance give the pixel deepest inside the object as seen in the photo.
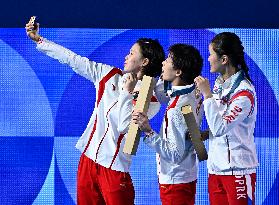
(224, 59)
(145, 62)
(178, 72)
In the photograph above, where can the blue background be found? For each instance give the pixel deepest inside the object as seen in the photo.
(44, 108)
(142, 14)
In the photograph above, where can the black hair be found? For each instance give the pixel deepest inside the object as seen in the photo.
(152, 50)
(228, 43)
(188, 59)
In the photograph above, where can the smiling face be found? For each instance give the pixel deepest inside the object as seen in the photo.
(168, 71)
(215, 61)
(134, 60)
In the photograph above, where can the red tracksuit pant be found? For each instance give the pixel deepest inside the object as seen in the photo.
(98, 185)
(178, 194)
(232, 190)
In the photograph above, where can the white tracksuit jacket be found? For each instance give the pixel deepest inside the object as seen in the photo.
(232, 149)
(106, 142)
(176, 158)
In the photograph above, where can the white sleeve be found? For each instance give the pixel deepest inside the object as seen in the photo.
(81, 65)
(125, 108)
(175, 147)
(239, 108)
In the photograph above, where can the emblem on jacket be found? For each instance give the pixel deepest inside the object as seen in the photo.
(217, 89)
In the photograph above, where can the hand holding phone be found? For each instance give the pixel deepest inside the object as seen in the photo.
(32, 29)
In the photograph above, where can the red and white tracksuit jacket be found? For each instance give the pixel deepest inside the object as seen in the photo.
(176, 158)
(232, 149)
(106, 142)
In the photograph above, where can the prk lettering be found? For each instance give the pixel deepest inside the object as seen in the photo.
(233, 115)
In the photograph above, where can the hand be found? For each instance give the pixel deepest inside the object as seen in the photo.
(130, 82)
(32, 30)
(141, 119)
(203, 86)
(204, 135)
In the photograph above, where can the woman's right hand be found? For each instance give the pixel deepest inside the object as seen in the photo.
(204, 135)
(32, 30)
(141, 119)
(130, 82)
(203, 86)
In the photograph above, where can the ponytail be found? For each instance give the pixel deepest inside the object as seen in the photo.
(244, 68)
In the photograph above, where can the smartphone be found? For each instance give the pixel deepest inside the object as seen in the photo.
(33, 21)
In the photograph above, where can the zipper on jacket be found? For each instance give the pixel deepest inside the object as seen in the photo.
(229, 152)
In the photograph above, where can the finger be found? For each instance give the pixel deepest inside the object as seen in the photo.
(135, 116)
(135, 121)
(137, 111)
(203, 79)
(130, 77)
(28, 26)
(29, 29)
(134, 76)
(142, 115)
(199, 78)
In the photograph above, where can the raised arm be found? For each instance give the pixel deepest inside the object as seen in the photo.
(240, 106)
(81, 65)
